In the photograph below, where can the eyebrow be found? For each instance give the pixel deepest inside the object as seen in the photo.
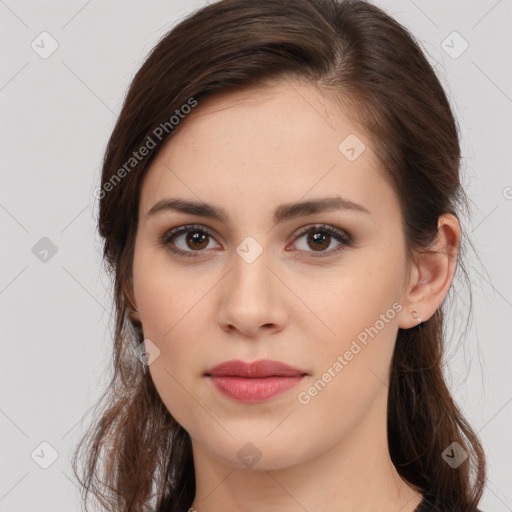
(281, 213)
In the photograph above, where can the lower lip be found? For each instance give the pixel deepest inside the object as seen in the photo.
(253, 390)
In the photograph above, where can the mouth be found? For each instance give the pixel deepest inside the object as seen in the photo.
(254, 382)
(257, 369)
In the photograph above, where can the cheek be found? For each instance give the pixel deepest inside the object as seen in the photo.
(345, 302)
(171, 303)
(164, 294)
(351, 370)
(356, 321)
(173, 315)
(173, 319)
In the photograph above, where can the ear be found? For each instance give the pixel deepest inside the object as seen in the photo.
(131, 307)
(431, 274)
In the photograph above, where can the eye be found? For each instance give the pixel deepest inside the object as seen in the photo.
(320, 236)
(196, 240)
(190, 239)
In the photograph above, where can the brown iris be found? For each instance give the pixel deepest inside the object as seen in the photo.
(318, 240)
(196, 237)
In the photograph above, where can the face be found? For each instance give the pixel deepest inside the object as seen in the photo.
(317, 288)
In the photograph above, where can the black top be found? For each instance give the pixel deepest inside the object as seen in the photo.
(428, 505)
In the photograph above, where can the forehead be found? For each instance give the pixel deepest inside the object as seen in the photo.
(270, 144)
(279, 120)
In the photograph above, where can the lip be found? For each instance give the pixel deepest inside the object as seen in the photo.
(254, 382)
(261, 368)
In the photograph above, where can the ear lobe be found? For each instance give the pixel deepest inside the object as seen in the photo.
(432, 274)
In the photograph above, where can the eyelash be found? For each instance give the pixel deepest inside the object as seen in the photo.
(340, 236)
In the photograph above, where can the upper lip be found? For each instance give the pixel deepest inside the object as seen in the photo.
(261, 368)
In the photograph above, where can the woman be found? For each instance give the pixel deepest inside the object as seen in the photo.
(279, 206)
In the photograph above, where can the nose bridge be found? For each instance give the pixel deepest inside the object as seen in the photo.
(250, 295)
(251, 262)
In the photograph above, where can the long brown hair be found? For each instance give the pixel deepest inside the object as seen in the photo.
(136, 456)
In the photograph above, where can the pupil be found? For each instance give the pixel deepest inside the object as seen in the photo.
(196, 239)
(319, 237)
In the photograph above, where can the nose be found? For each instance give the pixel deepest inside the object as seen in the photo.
(252, 297)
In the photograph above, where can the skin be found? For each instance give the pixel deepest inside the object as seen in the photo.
(249, 152)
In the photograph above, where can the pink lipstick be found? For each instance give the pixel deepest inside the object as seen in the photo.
(254, 382)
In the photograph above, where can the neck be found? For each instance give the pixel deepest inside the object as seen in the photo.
(352, 475)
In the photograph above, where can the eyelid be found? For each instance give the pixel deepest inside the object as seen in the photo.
(342, 236)
(347, 238)
(183, 229)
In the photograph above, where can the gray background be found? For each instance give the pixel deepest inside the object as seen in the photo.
(56, 116)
